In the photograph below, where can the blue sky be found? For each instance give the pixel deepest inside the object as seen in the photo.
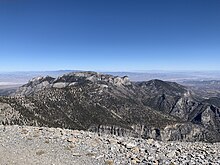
(109, 35)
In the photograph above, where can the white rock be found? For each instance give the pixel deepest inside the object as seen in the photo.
(130, 145)
(60, 85)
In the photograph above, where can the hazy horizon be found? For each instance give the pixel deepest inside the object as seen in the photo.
(129, 71)
(13, 78)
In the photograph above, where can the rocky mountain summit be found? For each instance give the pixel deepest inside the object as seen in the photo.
(68, 80)
(40, 145)
(114, 105)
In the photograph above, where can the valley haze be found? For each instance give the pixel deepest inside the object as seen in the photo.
(22, 77)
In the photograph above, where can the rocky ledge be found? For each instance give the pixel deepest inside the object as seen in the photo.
(40, 145)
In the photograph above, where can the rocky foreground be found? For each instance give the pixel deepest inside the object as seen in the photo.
(22, 145)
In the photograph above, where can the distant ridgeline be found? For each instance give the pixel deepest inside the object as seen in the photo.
(110, 104)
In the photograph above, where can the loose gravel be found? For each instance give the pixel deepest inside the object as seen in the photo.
(21, 145)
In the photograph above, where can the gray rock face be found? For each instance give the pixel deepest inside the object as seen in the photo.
(109, 104)
(35, 85)
(39, 83)
(188, 132)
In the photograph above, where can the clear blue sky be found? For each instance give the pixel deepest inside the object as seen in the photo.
(109, 35)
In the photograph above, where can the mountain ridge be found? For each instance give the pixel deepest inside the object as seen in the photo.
(112, 104)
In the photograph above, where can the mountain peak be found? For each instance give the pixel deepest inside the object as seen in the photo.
(71, 79)
(166, 87)
(94, 77)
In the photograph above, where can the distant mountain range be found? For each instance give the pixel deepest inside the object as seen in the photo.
(7, 78)
(204, 88)
(106, 103)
